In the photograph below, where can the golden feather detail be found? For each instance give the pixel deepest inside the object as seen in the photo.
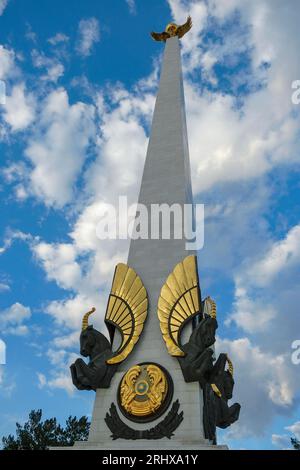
(178, 302)
(127, 310)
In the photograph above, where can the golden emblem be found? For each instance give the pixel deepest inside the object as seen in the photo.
(172, 30)
(144, 390)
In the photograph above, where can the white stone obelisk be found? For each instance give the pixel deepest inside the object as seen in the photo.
(166, 180)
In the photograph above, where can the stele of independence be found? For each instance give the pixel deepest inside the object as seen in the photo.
(161, 386)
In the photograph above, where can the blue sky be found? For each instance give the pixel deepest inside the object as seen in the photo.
(81, 79)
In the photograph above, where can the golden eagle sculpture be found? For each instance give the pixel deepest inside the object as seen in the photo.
(172, 30)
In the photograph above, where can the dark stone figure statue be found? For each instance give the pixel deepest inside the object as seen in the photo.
(209, 413)
(215, 380)
(223, 379)
(97, 373)
(217, 392)
(198, 362)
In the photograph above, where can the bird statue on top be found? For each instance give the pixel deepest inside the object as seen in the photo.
(172, 30)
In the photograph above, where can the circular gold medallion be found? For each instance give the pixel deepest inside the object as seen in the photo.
(145, 392)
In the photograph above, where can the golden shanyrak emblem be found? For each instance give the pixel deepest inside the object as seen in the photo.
(172, 30)
(145, 392)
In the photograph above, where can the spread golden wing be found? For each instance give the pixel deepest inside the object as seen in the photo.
(184, 28)
(160, 36)
(127, 309)
(179, 301)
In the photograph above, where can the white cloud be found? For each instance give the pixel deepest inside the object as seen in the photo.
(282, 255)
(54, 69)
(13, 236)
(30, 34)
(3, 5)
(42, 381)
(59, 262)
(69, 312)
(14, 172)
(2, 357)
(294, 429)
(62, 381)
(58, 38)
(251, 314)
(89, 35)
(132, 6)
(19, 108)
(17, 105)
(115, 171)
(59, 377)
(67, 341)
(21, 192)
(118, 168)
(7, 384)
(18, 330)
(254, 310)
(264, 382)
(283, 441)
(4, 287)
(199, 13)
(60, 142)
(236, 147)
(7, 63)
(12, 319)
(15, 314)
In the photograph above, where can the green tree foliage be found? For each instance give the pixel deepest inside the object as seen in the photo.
(36, 434)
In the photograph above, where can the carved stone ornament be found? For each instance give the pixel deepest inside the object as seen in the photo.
(165, 428)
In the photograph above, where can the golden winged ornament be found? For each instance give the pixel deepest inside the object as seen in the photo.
(126, 311)
(179, 302)
(172, 30)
